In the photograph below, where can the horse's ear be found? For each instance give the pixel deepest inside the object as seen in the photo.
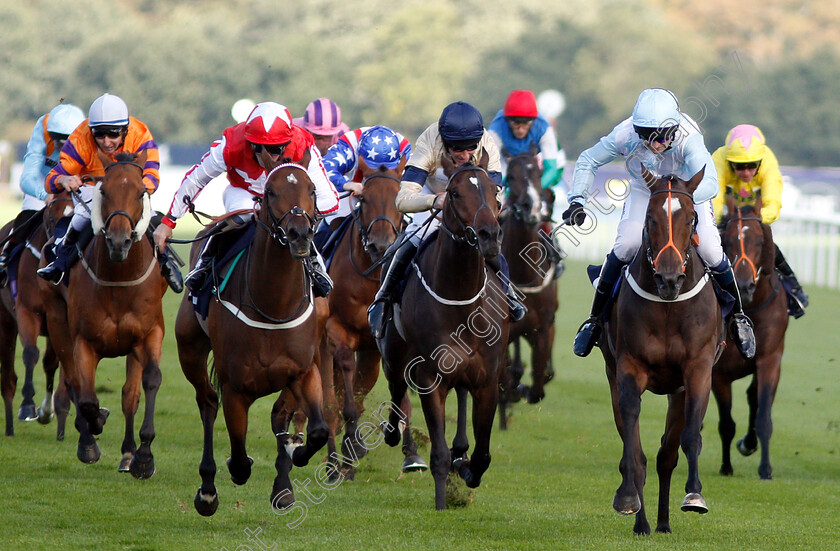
(401, 166)
(140, 158)
(484, 159)
(695, 180)
(758, 203)
(364, 168)
(649, 178)
(447, 164)
(534, 149)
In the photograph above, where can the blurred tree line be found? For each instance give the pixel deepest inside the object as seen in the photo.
(180, 65)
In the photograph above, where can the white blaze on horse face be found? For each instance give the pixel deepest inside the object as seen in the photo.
(291, 179)
(672, 205)
(744, 231)
(536, 204)
(474, 181)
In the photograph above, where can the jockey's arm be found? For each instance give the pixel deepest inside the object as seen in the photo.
(339, 160)
(771, 188)
(411, 197)
(34, 164)
(549, 153)
(326, 196)
(588, 163)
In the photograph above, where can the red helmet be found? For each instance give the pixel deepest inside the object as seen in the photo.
(269, 123)
(521, 103)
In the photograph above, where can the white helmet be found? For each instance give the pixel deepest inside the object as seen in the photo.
(108, 110)
(64, 119)
(656, 108)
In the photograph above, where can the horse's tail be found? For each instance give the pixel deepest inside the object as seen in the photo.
(214, 377)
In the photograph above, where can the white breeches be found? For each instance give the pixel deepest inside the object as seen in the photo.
(629, 238)
(30, 202)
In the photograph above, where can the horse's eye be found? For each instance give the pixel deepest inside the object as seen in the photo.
(454, 194)
(269, 192)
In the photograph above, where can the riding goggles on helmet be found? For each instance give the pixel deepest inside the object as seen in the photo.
(462, 145)
(745, 166)
(520, 120)
(272, 149)
(108, 131)
(660, 135)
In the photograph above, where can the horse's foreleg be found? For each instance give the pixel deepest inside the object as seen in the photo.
(50, 363)
(8, 377)
(143, 465)
(698, 379)
(461, 443)
(768, 369)
(29, 328)
(627, 401)
(86, 361)
(412, 461)
(434, 403)
(61, 403)
(484, 410)
(726, 424)
(749, 443)
(668, 456)
(344, 363)
(398, 387)
(367, 373)
(235, 407)
(307, 391)
(130, 403)
(282, 493)
(540, 357)
(517, 370)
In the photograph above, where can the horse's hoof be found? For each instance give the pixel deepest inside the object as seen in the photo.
(44, 416)
(238, 479)
(743, 449)
(283, 499)
(142, 470)
(206, 505)
(664, 529)
(392, 435)
(694, 503)
(726, 470)
(27, 413)
(125, 462)
(414, 462)
(347, 473)
(535, 398)
(88, 454)
(352, 447)
(627, 505)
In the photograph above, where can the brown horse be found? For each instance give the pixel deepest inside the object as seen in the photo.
(112, 308)
(662, 335)
(521, 239)
(28, 320)
(348, 346)
(749, 245)
(451, 329)
(264, 332)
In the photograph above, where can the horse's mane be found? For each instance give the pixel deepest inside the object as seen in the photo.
(746, 210)
(126, 157)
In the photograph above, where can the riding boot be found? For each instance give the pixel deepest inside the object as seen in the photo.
(4, 261)
(66, 253)
(171, 272)
(797, 297)
(740, 326)
(322, 284)
(555, 252)
(197, 277)
(405, 251)
(499, 265)
(21, 230)
(590, 332)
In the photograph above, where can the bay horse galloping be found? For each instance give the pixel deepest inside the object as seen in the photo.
(451, 327)
(521, 233)
(662, 335)
(111, 308)
(348, 345)
(264, 334)
(749, 245)
(25, 315)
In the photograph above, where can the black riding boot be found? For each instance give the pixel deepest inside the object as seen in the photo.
(740, 326)
(376, 313)
(322, 284)
(22, 228)
(589, 333)
(171, 272)
(797, 297)
(66, 253)
(197, 277)
(500, 266)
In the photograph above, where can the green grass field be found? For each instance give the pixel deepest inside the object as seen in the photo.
(550, 485)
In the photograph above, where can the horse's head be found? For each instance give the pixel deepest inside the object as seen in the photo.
(471, 208)
(523, 183)
(288, 208)
(750, 252)
(376, 213)
(668, 229)
(121, 208)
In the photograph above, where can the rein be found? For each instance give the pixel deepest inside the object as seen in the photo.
(365, 231)
(470, 236)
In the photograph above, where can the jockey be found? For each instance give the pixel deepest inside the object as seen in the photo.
(748, 169)
(245, 152)
(516, 128)
(460, 135)
(42, 154)
(111, 130)
(663, 140)
(322, 119)
(371, 146)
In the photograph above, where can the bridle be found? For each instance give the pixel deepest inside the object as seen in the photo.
(115, 213)
(470, 235)
(517, 208)
(364, 232)
(276, 228)
(654, 260)
(742, 254)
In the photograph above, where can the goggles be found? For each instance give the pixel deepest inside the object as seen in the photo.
(745, 166)
(56, 137)
(659, 135)
(275, 149)
(461, 146)
(108, 131)
(520, 120)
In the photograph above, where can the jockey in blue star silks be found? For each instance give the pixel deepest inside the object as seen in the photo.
(459, 134)
(665, 141)
(516, 128)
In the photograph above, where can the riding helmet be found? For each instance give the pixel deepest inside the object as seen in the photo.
(380, 146)
(269, 123)
(745, 144)
(64, 119)
(460, 124)
(108, 110)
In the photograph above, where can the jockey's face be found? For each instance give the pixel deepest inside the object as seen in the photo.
(460, 157)
(322, 142)
(520, 126)
(108, 139)
(745, 171)
(658, 147)
(268, 155)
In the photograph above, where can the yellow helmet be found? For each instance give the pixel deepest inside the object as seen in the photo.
(745, 144)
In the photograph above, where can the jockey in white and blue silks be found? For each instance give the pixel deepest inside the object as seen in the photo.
(459, 134)
(42, 154)
(665, 141)
(375, 146)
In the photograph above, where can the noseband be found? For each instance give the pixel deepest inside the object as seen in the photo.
(742, 255)
(670, 245)
(364, 232)
(470, 236)
(277, 229)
